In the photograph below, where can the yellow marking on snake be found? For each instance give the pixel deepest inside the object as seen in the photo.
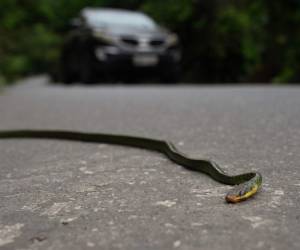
(236, 199)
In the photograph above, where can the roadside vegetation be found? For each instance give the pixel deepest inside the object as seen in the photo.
(223, 41)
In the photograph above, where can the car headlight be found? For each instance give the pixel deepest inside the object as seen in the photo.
(103, 52)
(172, 40)
(103, 36)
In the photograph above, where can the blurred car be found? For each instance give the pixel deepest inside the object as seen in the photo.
(111, 44)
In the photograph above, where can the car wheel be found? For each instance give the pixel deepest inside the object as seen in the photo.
(87, 74)
(67, 75)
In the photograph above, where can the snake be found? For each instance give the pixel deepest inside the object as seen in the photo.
(245, 185)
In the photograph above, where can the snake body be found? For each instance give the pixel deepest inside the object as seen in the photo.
(246, 185)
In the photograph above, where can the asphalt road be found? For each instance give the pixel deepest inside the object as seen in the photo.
(69, 195)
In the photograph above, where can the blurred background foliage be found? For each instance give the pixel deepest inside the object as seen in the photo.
(222, 40)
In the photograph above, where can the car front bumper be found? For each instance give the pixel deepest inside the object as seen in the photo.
(114, 61)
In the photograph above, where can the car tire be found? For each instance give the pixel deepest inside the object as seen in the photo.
(66, 73)
(66, 76)
(86, 74)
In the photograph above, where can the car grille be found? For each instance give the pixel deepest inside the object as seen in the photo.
(130, 41)
(135, 42)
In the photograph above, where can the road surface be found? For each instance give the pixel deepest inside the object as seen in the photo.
(69, 195)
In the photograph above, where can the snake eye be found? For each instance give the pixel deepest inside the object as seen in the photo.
(235, 195)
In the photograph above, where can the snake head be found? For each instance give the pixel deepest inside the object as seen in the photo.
(244, 190)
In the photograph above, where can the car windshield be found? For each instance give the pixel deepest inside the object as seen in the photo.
(102, 18)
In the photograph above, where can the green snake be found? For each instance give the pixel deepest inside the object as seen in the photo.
(246, 185)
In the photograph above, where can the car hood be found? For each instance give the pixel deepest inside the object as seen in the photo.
(136, 32)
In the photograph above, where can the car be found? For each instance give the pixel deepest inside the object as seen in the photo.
(118, 45)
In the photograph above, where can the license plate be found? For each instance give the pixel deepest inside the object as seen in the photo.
(145, 60)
